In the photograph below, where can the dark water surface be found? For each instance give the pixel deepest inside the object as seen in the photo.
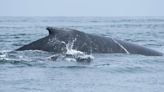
(32, 71)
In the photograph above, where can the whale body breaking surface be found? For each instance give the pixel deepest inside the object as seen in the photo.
(60, 40)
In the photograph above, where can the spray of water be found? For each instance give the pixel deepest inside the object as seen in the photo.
(72, 54)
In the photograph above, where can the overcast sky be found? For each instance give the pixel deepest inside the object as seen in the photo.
(81, 7)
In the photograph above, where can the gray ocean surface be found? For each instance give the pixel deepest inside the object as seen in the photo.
(30, 71)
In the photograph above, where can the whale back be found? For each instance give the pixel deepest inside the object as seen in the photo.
(59, 38)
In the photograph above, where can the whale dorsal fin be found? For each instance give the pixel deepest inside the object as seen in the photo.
(52, 30)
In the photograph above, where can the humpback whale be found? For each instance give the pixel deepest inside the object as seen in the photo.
(60, 39)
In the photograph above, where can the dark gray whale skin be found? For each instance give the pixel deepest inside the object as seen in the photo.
(58, 38)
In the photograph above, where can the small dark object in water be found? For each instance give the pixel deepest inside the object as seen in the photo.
(54, 57)
(83, 60)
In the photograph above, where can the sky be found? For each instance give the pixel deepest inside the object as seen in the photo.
(81, 7)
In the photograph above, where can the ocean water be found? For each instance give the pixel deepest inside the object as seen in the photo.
(32, 71)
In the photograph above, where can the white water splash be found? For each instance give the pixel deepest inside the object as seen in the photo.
(77, 55)
(4, 53)
(69, 46)
(121, 46)
(70, 50)
(73, 54)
